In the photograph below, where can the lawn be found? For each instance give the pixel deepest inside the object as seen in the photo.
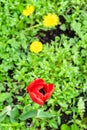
(43, 65)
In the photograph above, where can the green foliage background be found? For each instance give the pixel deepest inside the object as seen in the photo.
(62, 62)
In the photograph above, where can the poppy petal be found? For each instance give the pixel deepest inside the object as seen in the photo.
(49, 93)
(36, 99)
(35, 82)
(48, 87)
(39, 95)
(51, 87)
(37, 87)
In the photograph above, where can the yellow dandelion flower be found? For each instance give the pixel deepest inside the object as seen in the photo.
(28, 11)
(50, 20)
(36, 46)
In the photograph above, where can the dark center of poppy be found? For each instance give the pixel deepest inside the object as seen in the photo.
(42, 91)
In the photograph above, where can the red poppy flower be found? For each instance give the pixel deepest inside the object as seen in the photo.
(39, 91)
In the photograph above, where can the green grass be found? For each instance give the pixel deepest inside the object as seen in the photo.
(62, 62)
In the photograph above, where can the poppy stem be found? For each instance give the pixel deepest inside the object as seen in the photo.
(38, 113)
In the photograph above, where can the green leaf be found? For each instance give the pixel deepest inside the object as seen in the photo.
(29, 114)
(74, 127)
(42, 114)
(81, 107)
(65, 127)
(37, 114)
(14, 114)
(2, 116)
(4, 96)
(6, 111)
(63, 27)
